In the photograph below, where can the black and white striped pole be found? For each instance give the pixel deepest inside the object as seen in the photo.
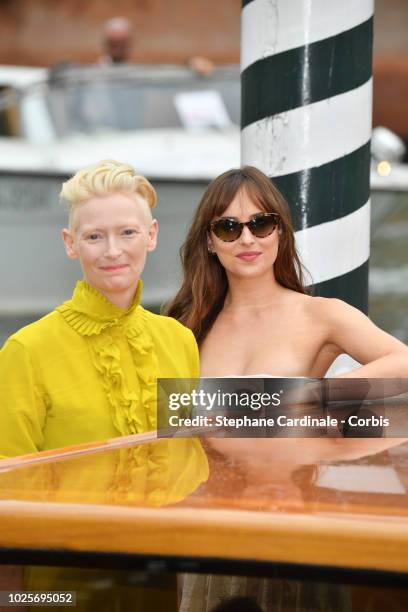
(306, 122)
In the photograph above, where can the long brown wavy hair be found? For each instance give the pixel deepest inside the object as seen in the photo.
(205, 285)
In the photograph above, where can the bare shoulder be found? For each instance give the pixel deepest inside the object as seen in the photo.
(334, 310)
(324, 309)
(337, 320)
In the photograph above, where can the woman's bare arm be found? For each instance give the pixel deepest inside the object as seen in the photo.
(382, 355)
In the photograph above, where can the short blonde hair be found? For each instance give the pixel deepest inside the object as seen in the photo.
(106, 177)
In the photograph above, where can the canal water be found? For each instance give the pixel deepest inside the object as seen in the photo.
(388, 277)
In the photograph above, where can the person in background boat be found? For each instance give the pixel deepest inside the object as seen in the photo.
(117, 41)
(87, 371)
(243, 290)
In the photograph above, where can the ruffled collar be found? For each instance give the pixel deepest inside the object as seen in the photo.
(89, 312)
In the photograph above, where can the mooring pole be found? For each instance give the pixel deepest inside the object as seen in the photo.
(306, 74)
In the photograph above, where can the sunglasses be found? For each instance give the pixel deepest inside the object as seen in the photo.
(261, 226)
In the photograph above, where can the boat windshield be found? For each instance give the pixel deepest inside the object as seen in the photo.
(94, 100)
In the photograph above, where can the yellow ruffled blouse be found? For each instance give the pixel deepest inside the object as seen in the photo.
(87, 371)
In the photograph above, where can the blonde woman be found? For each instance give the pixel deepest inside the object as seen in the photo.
(87, 371)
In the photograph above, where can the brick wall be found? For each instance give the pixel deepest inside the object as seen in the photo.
(391, 65)
(44, 32)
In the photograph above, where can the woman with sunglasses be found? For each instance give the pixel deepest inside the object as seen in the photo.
(243, 296)
(243, 293)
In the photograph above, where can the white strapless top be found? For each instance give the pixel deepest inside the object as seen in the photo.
(255, 376)
(342, 364)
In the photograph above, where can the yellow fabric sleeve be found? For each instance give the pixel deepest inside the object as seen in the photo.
(22, 410)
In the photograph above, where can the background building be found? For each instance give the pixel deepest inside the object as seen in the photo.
(46, 32)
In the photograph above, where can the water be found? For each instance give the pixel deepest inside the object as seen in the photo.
(388, 280)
